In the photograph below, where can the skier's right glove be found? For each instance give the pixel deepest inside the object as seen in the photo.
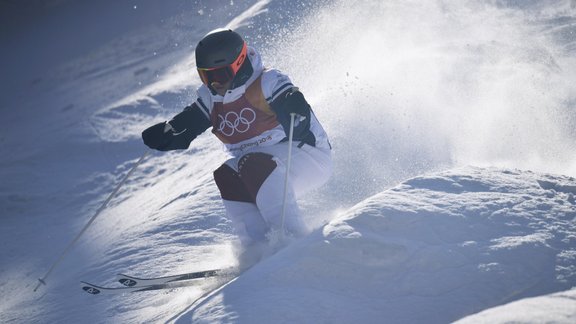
(177, 133)
(159, 136)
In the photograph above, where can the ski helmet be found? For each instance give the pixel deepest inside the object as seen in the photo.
(219, 56)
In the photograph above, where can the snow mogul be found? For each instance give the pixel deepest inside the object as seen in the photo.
(249, 108)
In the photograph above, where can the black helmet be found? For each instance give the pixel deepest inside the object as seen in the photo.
(219, 56)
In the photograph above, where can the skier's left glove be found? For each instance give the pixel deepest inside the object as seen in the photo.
(294, 102)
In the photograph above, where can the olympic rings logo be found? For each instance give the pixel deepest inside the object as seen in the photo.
(233, 122)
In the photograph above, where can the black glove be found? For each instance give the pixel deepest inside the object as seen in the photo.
(294, 102)
(178, 133)
(159, 136)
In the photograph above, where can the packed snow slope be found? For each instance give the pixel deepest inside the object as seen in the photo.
(411, 94)
(553, 308)
(431, 250)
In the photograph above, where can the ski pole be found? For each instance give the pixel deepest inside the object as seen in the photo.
(42, 281)
(290, 136)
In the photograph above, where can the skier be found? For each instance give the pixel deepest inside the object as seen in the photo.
(248, 107)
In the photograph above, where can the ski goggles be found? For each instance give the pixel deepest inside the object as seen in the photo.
(223, 74)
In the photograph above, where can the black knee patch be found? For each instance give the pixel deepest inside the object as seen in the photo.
(230, 185)
(254, 169)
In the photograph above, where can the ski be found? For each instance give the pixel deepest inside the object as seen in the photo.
(134, 284)
(130, 281)
(98, 290)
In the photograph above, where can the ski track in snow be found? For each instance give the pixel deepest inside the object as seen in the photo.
(413, 90)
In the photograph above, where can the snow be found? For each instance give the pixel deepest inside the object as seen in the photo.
(431, 250)
(553, 308)
(453, 196)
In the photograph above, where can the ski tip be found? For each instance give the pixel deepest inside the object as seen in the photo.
(127, 282)
(90, 288)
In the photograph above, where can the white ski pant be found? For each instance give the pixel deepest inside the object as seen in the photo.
(252, 187)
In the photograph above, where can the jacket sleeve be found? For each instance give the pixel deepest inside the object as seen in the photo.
(186, 126)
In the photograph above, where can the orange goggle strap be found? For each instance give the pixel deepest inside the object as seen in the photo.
(226, 73)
